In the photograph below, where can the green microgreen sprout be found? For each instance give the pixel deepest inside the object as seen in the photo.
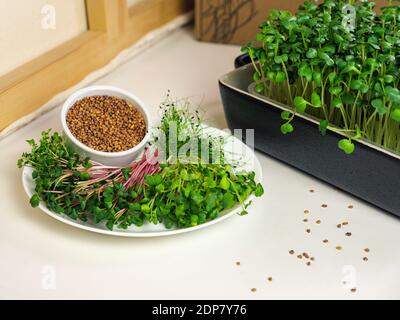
(346, 77)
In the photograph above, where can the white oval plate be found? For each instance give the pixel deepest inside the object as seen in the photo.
(234, 146)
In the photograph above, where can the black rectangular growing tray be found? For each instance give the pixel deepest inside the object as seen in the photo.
(370, 173)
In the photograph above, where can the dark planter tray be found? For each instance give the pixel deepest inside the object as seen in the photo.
(370, 173)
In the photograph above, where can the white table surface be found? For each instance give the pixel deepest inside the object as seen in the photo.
(43, 258)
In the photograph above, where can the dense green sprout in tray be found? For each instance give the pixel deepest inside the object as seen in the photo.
(338, 61)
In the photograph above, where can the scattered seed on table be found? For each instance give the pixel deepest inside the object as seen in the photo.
(350, 206)
(318, 222)
(238, 263)
(339, 248)
(270, 279)
(253, 289)
(306, 211)
(324, 206)
(312, 259)
(353, 290)
(300, 256)
(305, 220)
(348, 234)
(325, 241)
(308, 263)
(291, 252)
(339, 226)
(305, 255)
(365, 259)
(308, 231)
(345, 223)
(366, 250)
(312, 191)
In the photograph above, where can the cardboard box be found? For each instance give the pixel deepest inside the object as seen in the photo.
(237, 21)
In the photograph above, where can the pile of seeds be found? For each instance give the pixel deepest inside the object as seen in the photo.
(106, 123)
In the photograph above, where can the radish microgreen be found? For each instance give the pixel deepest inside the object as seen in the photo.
(348, 76)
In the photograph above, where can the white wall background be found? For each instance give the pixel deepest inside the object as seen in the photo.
(22, 37)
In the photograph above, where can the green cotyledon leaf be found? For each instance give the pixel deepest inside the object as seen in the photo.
(379, 106)
(35, 200)
(347, 146)
(323, 126)
(316, 100)
(153, 180)
(300, 104)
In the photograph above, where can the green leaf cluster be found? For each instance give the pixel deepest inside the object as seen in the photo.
(348, 78)
(186, 195)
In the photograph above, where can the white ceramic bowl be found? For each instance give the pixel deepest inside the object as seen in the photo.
(109, 158)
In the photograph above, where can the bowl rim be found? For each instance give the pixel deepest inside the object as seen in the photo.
(87, 92)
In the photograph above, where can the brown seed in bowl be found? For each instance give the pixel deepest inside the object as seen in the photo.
(106, 123)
